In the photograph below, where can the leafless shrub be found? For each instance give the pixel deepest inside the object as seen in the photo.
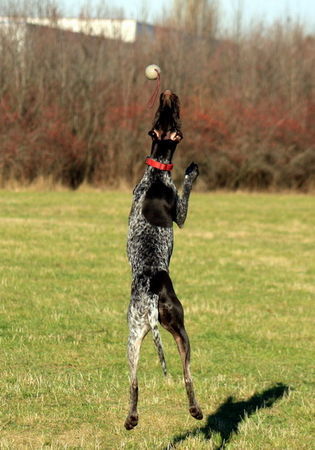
(73, 107)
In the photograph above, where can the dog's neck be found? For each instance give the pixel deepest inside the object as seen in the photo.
(163, 151)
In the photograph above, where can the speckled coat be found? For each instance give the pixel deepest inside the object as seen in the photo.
(149, 250)
(156, 205)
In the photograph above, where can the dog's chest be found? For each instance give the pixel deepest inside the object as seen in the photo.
(154, 201)
(150, 235)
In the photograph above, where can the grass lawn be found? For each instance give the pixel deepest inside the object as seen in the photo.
(244, 269)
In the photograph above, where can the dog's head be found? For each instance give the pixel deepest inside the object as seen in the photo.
(167, 124)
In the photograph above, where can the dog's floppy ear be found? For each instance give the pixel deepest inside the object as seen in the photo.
(178, 136)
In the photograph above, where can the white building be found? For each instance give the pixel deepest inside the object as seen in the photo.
(126, 30)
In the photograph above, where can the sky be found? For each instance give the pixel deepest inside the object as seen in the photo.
(269, 10)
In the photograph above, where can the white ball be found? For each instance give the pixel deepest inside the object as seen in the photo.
(152, 71)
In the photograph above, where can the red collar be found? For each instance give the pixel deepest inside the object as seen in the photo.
(158, 165)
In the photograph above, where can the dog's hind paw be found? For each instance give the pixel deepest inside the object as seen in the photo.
(131, 422)
(196, 412)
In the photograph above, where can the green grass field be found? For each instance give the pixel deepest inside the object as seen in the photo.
(244, 269)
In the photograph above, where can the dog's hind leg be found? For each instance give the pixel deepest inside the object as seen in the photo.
(136, 336)
(171, 316)
(183, 346)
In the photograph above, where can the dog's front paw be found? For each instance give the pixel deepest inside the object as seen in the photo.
(192, 171)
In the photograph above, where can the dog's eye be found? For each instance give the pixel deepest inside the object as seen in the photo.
(153, 134)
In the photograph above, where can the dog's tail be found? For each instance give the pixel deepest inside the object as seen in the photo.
(158, 343)
(153, 320)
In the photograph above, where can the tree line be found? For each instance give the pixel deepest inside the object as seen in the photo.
(73, 107)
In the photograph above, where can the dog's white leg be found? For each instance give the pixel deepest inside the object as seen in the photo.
(136, 336)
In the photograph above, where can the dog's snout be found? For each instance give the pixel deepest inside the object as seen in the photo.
(167, 97)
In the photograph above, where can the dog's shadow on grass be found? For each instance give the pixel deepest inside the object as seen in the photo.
(226, 419)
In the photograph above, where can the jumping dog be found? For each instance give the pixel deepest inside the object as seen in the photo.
(156, 205)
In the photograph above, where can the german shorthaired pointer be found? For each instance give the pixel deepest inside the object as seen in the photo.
(156, 205)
